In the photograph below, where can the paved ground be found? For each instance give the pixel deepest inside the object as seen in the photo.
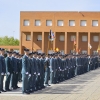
(83, 87)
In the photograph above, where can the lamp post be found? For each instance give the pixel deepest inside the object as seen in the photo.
(13, 33)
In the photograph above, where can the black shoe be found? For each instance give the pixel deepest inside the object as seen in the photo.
(3, 90)
(27, 92)
(8, 90)
(17, 87)
(0, 91)
(14, 88)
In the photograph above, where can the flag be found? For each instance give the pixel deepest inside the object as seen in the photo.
(74, 44)
(89, 45)
(74, 41)
(51, 36)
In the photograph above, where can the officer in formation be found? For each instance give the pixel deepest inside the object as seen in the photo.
(37, 70)
(10, 67)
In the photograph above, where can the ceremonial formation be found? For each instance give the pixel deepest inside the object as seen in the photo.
(39, 70)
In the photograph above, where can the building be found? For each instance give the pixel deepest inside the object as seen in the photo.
(35, 26)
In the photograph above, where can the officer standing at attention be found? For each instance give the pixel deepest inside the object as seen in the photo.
(47, 69)
(42, 69)
(14, 66)
(9, 70)
(25, 72)
(3, 66)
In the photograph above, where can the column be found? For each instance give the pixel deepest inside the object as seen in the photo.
(77, 40)
(54, 42)
(88, 43)
(31, 41)
(43, 41)
(21, 43)
(65, 42)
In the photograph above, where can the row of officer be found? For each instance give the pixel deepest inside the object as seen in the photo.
(10, 67)
(38, 69)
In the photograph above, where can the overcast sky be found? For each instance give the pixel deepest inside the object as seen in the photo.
(10, 11)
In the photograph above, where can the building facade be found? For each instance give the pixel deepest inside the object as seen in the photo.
(35, 26)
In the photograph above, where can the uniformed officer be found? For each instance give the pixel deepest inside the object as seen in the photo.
(2, 52)
(9, 70)
(47, 69)
(34, 70)
(20, 68)
(38, 81)
(0, 71)
(14, 66)
(25, 72)
(43, 69)
(52, 69)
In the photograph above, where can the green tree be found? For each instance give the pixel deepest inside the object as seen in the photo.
(6, 41)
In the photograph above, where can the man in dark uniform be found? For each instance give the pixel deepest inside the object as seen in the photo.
(47, 70)
(52, 69)
(43, 69)
(25, 72)
(2, 52)
(20, 68)
(38, 81)
(14, 74)
(34, 70)
(0, 72)
(9, 70)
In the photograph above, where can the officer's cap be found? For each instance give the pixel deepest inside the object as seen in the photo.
(9, 52)
(17, 53)
(30, 54)
(39, 54)
(26, 49)
(13, 52)
(2, 49)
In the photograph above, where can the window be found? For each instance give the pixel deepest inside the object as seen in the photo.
(84, 52)
(62, 38)
(50, 51)
(84, 38)
(48, 22)
(71, 22)
(94, 22)
(39, 51)
(26, 23)
(95, 38)
(28, 37)
(60, 23)
(39, 37)
(83, 23)
(73, 37)
(37, 23)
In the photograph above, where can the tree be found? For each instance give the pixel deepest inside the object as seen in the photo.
(6, 41)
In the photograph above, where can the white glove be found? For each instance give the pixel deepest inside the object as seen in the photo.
(59, 67)
(50, 67)
(26, 72)
(38, 73)
(34, 72)
(52, 70)
(29, 75)
(8, 73)
(2, 73)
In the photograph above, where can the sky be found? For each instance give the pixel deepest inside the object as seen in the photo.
(10, 11)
